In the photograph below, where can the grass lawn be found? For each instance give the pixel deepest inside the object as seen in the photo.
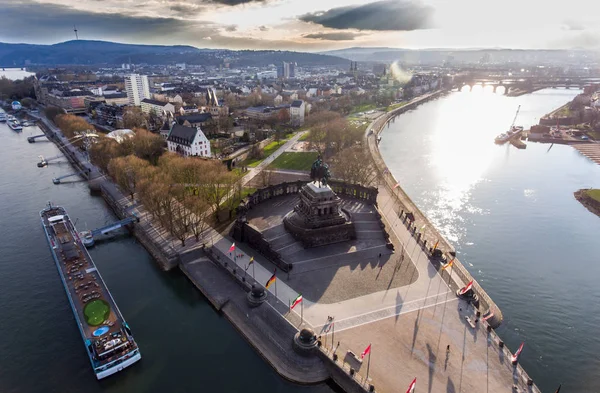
(304, 137)
(594, 135)
(296, 161)
(363, 108)
(594, 194)
(96, 312)
(268, 150)
(395, 106)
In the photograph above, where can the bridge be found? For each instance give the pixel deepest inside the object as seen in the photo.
(528, 83)
(114, 226)
(57, 180)
(31, 139)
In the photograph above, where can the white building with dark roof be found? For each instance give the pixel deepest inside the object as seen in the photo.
(188, 141)
(159, 107)
(297, 110)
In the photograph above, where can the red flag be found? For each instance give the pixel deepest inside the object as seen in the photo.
(232, 248)
(365, 352)
(491, 314)
(515, 357)
(396, 186)
(411, 388)
(466, 289)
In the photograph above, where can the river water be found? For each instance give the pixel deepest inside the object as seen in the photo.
(512, 218)
(186, 346)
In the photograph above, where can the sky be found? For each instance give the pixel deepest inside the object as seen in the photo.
(308, 25)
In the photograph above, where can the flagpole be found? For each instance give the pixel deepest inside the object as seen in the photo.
(302, 311)
(332, 334)
(253, 275)
(275, 285)
(369, 363)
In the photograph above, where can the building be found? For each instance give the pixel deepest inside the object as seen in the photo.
(160, 108)
(116, 99)
(297, 110)
(137, 88)
(188, 109)
(188, 141)
(195, 119)
(286, 70)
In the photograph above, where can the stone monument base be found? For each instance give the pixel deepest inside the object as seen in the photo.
(315, 237)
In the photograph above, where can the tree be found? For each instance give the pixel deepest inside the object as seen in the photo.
(145, 145)
(354, 165)
(127, 171)
(133, 117)
(27, 102)
(103, 151)
(52, 112)
(199, 210)
(71, 125)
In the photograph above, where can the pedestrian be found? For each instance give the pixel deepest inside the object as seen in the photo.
(448, 349)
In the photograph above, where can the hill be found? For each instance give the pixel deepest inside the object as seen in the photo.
(83, 52)
(436, 56)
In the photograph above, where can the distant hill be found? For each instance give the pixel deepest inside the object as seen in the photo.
(457, 56)
(82, 52)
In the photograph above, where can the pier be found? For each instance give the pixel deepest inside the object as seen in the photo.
(57, 180)
(31, 139)
(44, 161)
(114, 226)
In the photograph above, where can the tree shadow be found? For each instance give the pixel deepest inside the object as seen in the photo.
(398, 305)
(415, 331)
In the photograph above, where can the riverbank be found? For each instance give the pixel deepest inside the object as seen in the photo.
(413, 219)
(590, 198)
(265, 328)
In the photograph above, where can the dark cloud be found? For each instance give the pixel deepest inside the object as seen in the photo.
(339, 36)
(183, 9)
(231, 28)
(398, 15)
(51, 23)
(263, 28)
(236, 2)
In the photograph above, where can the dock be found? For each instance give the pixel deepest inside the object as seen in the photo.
(590, 150)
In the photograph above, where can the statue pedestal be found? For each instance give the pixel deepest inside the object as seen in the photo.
(318, 219)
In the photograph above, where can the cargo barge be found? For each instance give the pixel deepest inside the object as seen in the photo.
(107, 337)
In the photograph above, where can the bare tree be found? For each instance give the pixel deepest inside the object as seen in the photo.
(354, 165)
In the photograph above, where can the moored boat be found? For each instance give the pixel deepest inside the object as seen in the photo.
(108, 340)
(14, 124)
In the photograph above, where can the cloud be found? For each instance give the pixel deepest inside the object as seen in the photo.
(183, 9)
(263, 28)
(392, 15)
(338, 36)
(236, 2)
(231, 28)
(573, 25)
(51, 23)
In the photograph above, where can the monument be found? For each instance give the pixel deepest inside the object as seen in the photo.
(318, 219)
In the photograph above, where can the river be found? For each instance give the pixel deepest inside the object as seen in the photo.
(513, 220)
(186, 346)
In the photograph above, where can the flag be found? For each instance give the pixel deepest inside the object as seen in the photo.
(436, 244)
(558, 390)
(365, 352)
(296, 301)
(251, 261)
(329, 327)
(466, 289)
(271, 280)
(448, 264)
(411, 388)
(423, 227)
(396, 186)
(232, 248)
(386, 171)
(515, 357)
(491, 314)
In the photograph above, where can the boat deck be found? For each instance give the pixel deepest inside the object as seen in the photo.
(106, 329)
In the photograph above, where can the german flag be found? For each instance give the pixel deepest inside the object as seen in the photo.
(271, 280)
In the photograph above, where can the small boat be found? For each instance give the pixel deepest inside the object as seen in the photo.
(3, 117)
(15, 125)
(86, 238)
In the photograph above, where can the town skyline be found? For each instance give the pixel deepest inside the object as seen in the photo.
(308, 26)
